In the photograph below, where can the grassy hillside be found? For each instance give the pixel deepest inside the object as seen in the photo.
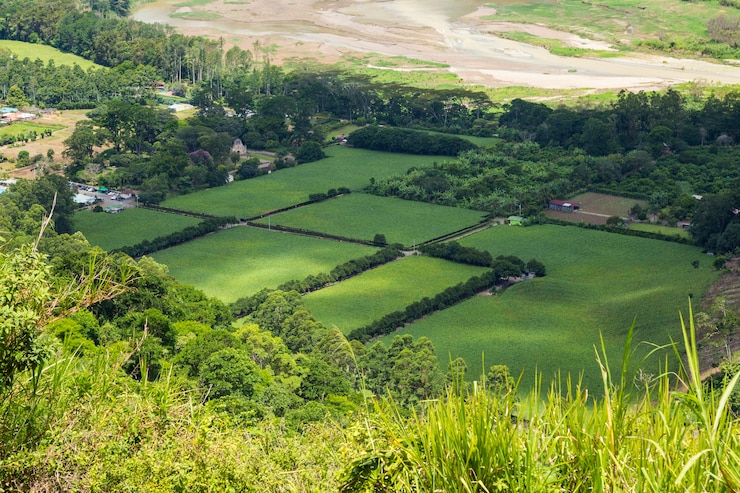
(45, 53)
(596, 283)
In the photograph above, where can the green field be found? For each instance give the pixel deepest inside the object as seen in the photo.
(32, 51)
(26, 127)
(129, 227)
(663, 230)
(596, 283)
(240, 261)
(344, 167)
(608, 19)
(357, 301)
(362, 216)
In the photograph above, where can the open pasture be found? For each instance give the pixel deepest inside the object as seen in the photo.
(360, 300)
(129, 227)
(362, 216)
(596, 283)
(240, 261)
(32, 51)
(343, 167)
(610, 205)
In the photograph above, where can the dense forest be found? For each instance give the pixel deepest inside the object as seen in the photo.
(115, 377)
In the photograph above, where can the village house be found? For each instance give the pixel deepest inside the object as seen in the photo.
(564, 205)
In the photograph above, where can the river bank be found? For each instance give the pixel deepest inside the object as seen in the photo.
(454, 33)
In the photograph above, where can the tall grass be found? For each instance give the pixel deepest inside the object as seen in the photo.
(668, 434)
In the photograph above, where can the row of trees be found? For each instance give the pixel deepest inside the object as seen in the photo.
(343, 271)
(46, 84)
(143, 54)
(246, 305)
(147, 247)
(656, 122)
(408, 141)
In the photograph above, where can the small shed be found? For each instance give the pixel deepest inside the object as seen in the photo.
(514, 220)
(564, 205)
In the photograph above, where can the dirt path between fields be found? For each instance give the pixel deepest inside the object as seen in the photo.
(452, 32)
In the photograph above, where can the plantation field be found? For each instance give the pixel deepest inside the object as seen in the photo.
(26, 127)
(360, 300)
(610, 205)
(129, 227)
(240, 261)
(596, 283)
(664, 230)
(32, 51)
(344, 167)
(362, 216)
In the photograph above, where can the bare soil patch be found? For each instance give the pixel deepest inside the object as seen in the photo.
(578, 216)
(55, 142)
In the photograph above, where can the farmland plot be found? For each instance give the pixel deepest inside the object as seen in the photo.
(360, 300)
(597, 283)
(129, 227)
(240, 261)
(361, 216)
(344, 167)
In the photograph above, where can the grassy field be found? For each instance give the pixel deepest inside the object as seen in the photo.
(614, 20)
(596, 283)
(555, 46)
(664, 230)
(362, 299)
(344, 167)
(26, 127)
(240, 261)
(33, 51)
(129, 227)
(610, 205)
(362, 216)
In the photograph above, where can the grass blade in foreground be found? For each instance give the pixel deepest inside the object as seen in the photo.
(661, 440)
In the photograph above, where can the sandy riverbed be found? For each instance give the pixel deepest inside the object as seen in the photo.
(453, 32)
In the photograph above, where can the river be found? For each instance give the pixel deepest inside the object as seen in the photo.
(442, 31)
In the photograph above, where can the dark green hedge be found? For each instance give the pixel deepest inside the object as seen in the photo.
(190, 233)
(408, 141)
